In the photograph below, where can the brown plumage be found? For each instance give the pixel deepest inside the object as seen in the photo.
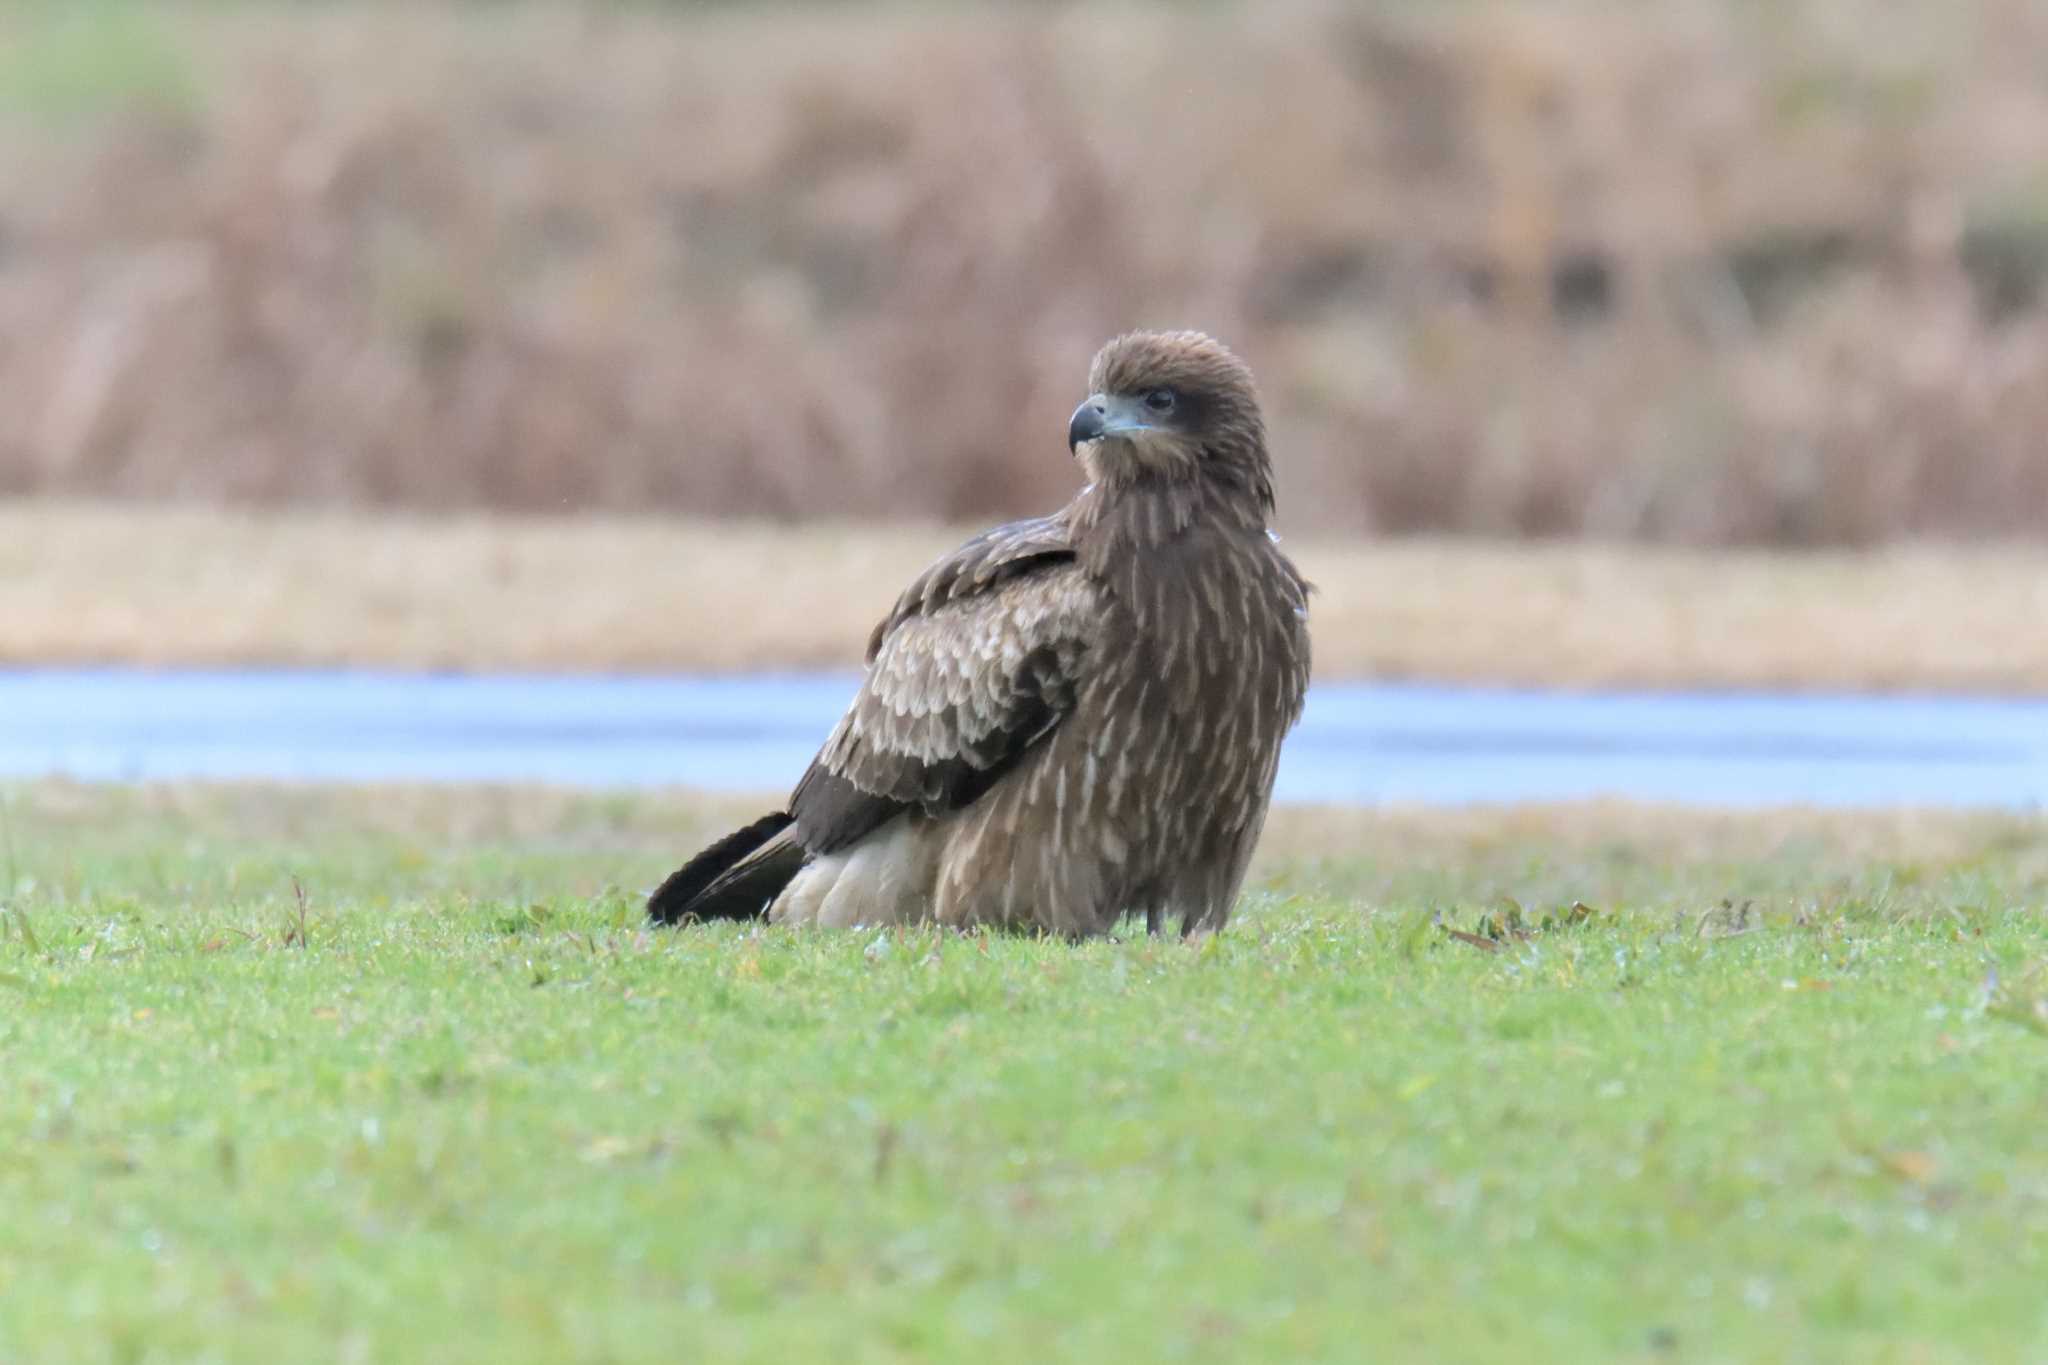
(1067, 718)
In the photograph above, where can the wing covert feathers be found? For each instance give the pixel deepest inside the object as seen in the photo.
(979, 660)
(1019, 547)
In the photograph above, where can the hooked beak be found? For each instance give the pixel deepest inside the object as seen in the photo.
(1100, 415)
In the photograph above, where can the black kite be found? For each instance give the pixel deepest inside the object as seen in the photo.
(1067, 718)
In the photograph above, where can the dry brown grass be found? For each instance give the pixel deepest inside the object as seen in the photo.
(84, 583)
(1296, 841)
(1422, 836)
(1694, 271)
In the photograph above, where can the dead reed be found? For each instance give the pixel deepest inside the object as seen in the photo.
(1701, 273)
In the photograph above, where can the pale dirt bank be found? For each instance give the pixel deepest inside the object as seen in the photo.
(89, 584)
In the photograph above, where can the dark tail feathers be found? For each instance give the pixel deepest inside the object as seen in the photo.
(733, 879)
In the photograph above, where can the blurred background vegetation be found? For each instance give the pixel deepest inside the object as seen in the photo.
(1757, 271)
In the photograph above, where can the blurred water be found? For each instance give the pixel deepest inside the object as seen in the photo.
(1357, 743)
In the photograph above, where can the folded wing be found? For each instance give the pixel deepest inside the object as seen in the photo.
(979, 660)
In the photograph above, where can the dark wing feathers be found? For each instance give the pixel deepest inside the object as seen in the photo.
(978, 661)
(728, 879)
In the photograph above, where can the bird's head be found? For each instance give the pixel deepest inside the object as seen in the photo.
(1172, 406)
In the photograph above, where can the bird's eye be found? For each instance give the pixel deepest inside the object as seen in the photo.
(1160, 400)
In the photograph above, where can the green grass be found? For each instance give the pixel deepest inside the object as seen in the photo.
(457, 1105)
(63, 61)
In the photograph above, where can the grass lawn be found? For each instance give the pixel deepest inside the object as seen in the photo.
(1778, 1097)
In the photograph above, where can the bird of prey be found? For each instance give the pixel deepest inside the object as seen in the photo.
(1068, 718)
